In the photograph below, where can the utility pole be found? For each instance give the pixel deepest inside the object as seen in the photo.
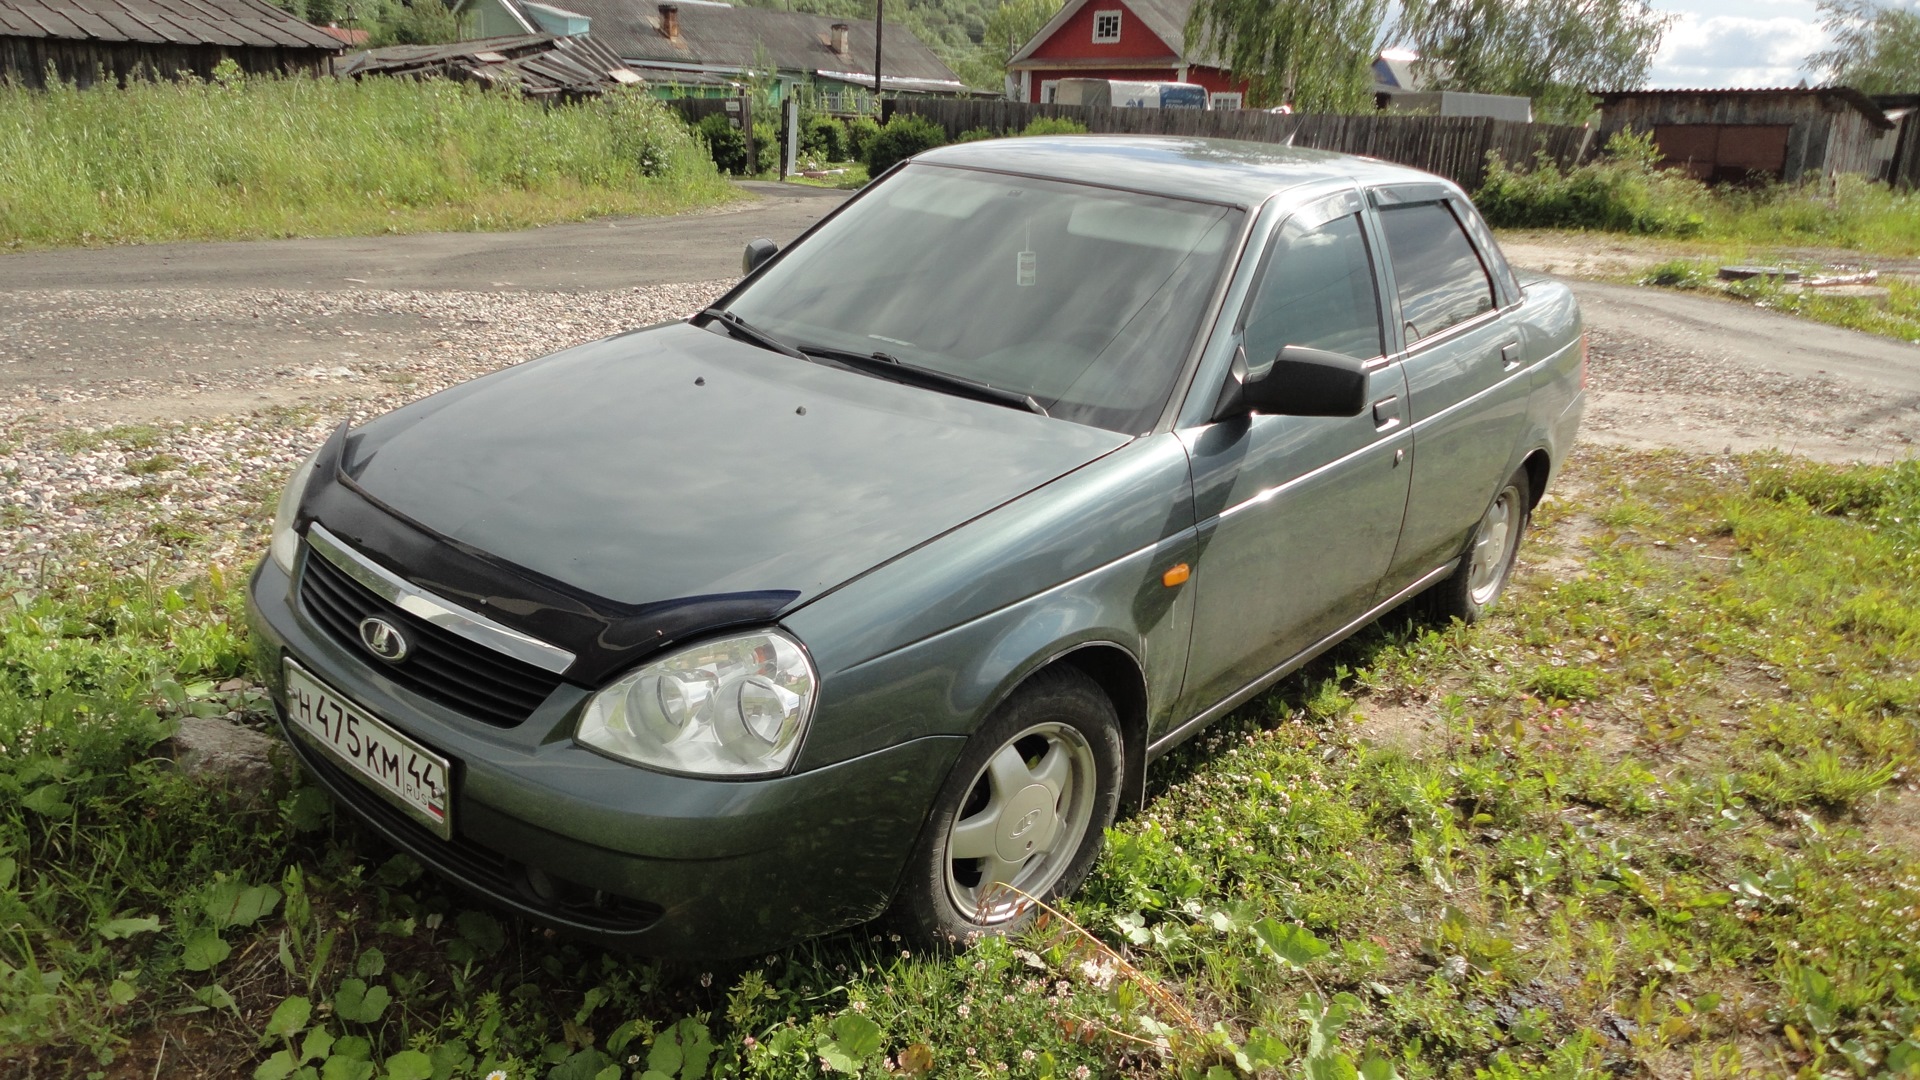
(879, 37)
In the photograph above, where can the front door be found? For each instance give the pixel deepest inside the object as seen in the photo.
(1298, 515)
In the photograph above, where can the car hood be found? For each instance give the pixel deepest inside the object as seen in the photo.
(673, 462)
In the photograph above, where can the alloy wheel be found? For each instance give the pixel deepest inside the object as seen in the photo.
(1493, 545)
(1023, 819)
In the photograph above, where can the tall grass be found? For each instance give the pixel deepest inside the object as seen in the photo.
(1627, 190)
(252, 157)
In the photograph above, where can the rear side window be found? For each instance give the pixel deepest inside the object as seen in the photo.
(1318, 291)
(1435, 269)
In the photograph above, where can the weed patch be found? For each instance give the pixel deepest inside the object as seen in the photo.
(261, 157)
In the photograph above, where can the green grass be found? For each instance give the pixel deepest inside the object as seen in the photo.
(852, 179)
(257, 157)
(1897, 316)
(1656, 816)
(1627, 191)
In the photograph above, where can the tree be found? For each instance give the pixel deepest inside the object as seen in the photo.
(1553, 51)
(423, 22)
(1876, 48)
(1313, 54)
(1014, 23)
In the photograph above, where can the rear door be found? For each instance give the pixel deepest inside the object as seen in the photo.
(1466, 374)
(1299, 515)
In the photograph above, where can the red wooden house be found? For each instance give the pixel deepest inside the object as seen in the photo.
(1142, 40)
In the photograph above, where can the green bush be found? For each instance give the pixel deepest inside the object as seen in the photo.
(904, 136)
(726, 144)
(1624, 191)
(977, 134)
(1053, 125)
(766, 147)
(861, 131)
(825, 138)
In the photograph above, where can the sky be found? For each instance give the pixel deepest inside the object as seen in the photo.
(1718, 43)
(1753, 43)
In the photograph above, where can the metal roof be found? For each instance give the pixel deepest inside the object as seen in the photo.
(1848, 94)
(905, 86)
(163, 22)
(746, 38)
(1217, 170)
(541, 65)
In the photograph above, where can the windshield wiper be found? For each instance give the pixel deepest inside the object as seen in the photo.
(746, 331)
(889, 366)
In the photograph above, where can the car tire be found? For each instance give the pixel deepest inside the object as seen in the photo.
(1468, 592)
(1027, 803)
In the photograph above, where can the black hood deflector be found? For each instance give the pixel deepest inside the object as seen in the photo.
(604, 636)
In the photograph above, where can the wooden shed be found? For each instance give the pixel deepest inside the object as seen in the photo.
(1731, 136)
(84, 41)
(1903, 158)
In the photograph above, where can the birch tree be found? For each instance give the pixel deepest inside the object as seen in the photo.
(1316, 55)
(1876, 48)
(1552, 51)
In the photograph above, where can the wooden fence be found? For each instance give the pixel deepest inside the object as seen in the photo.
(1455, 147)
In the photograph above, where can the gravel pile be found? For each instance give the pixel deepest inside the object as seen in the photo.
(131, 495)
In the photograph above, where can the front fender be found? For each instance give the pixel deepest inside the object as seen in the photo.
(947, 684)
(931, 642)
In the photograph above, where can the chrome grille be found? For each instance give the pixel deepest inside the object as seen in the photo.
(442, 666)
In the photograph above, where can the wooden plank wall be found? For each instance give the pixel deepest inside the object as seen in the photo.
(1455, 147)
(1904, 169)
(24, 61)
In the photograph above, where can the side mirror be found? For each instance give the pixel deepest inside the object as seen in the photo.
(1308, 382)
(757, 253)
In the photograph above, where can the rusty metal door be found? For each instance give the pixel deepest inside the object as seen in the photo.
(1724, 153)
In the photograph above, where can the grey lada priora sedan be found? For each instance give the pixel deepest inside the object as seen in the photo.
(876, 586)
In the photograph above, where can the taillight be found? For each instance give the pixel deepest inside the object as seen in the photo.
(1583, 359)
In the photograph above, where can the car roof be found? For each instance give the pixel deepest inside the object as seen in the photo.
(1218, 170)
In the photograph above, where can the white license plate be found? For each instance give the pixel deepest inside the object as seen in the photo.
(409, 775)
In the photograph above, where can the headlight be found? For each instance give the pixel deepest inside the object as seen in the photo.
(732, 707)
(286, 542)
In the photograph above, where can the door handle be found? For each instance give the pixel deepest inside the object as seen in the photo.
(1509, 356)
(1386, 413)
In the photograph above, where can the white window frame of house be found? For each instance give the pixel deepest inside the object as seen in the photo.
(1226, 99)
(1106, 39)
(1047, 87)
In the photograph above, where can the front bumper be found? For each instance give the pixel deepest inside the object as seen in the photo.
(663, 865)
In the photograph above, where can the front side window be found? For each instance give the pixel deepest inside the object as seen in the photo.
(1106, 27)
(1435, 270)
(1085, 298)
(1317, 290)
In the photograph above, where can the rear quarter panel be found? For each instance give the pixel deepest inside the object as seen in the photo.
(1550, 327)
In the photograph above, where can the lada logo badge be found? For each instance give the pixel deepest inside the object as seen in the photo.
(383, 640)
(1027, 822)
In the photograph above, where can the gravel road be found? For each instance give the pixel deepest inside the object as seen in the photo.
(152, 399)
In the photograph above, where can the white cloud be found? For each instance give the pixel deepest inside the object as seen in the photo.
(1738, 50)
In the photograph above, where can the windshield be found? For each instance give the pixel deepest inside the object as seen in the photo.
(1086, 299)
